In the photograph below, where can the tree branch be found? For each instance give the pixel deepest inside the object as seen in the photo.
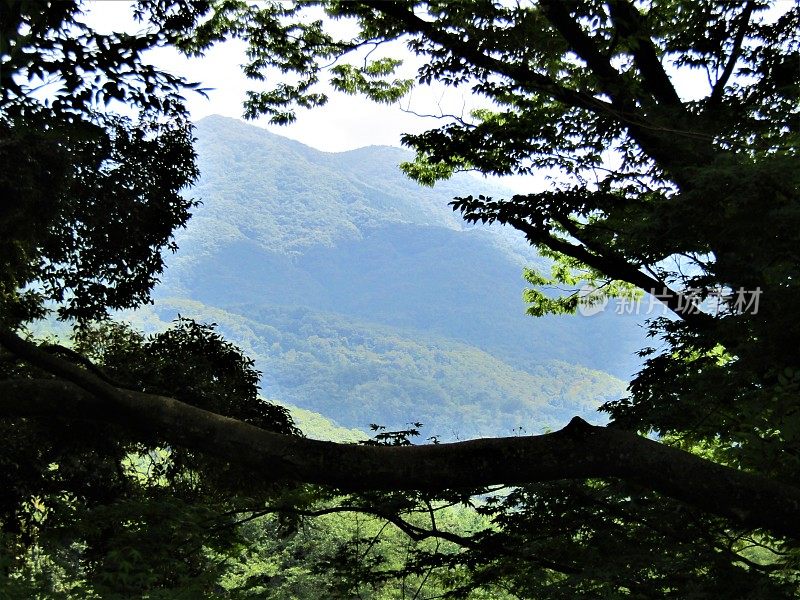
(419, 534)
(648, 135)
(630, 24)
(719, 86)
(579, 451)
(609, 262)
(611, 80)
(613, 266)
(527, 79)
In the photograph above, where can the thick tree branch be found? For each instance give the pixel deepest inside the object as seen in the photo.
(630, 25)
(578, 451)
(525, 78)
(657, 140)
(613, 85)
(81, 360)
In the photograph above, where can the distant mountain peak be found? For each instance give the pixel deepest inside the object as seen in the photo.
(288, 197)
(217, 122)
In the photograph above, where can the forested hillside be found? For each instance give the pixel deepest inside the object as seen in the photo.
(360, 373)
(362, 296)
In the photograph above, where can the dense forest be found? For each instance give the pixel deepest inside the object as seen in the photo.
(284, 224)
(139, 456)
(377, 304)
(359, 374)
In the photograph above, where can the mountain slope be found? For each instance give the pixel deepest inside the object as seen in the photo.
(363, 297)
(358, 373)
(282, 223)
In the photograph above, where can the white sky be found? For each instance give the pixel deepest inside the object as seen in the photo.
(346, 122)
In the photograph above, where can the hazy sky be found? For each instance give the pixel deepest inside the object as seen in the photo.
(346, 122)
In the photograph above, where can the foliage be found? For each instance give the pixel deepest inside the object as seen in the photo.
(91, 197)
(119, 514)
(700, 200)
(346, 555)
(362, 372)
(699, 206)
(365, 546)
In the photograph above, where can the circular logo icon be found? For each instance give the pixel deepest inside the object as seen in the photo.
(590, 302)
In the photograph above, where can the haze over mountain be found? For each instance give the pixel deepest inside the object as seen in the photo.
(364, 297)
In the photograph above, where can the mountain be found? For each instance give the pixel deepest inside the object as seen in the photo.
(317, 427)
(332, 267)
(358, 373)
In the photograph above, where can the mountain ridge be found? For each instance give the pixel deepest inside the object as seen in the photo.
(349, 238)
(356, 373)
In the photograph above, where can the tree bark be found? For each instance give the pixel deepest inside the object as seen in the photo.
(578, 451)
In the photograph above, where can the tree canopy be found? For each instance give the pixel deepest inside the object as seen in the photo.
(690, 198)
